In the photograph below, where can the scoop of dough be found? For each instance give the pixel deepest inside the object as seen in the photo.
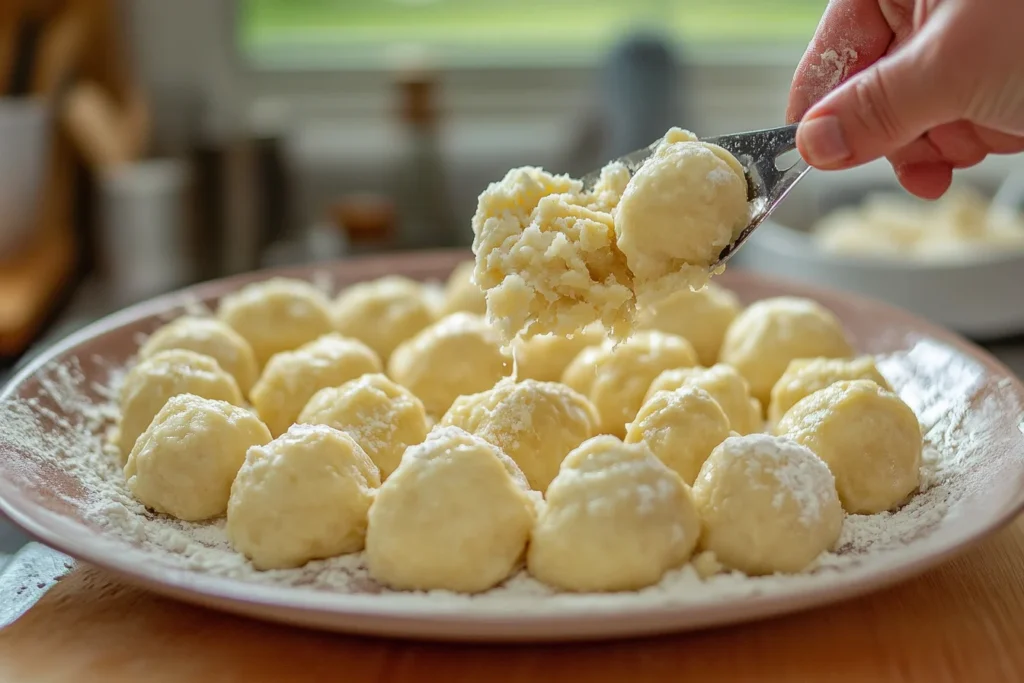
(616, 519)
(304, 496)
(460, 354)
(700, 316)
(615, 376)
(767, 505)
(461, 293)
(383, 417)
(534, 423)
(870, 439)
(210, 337)
(382, 313)
(149, 385)
(546, 356)
(804, 376)
(276, 315)
(184, 463)
(455, 515)
(770, 333)
(725, 384)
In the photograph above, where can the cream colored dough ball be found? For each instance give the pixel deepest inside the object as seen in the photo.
(701, 316)
(184, 463)
(534, 423)
(870, 439)
(456, 515)
(804, 376)
(546, 356)
(382, 313)
(461, 293)
(150, 383)
(767, 505)
(458, 355)
(725, 384)
(277, 315)
(770, 333)
(303, 496)
(615, 376)
(383, 417)
(616, 519)
(292, 377)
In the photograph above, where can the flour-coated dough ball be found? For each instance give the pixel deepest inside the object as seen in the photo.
(869, 437)
(616, 519)
(279, 314)
(770, 333)
(303, 496)
(461, 293)
(534, 423)
(700, 316)
(725, 384)
(767, 505)
(184, 463)
(150, 383)
(382, 313)
(546, 356)
(804, 376)
(456, 515)
(383, 417)
(615, 376)
(458, 355)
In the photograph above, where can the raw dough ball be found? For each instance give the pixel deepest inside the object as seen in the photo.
(804, 376)
(870, 439)
(701, 316)
(458, 355)
(277, 315)
(546, 356)
(765, 337)
(303, 496)
(383, 417)
(149, 385)
(292, 377)
(615, 376)
(681, 427)
(767, 505)
(382, 313)
(616, 519)
(725, 384)
(210, 337)
(461, 293)
(534, 423)
(184, 463)
(455, 515)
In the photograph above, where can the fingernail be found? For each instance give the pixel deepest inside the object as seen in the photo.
(823, 141)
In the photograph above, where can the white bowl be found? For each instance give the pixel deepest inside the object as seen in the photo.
(24, 151)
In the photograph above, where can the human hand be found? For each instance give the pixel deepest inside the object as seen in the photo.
(931, 85)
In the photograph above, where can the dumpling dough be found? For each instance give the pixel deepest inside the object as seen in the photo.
(725, 384)
(681, 427)
(534, 423)
(383, 417)
(616, 376)
(461, 293)
(303, 496)
(149, 385)
(545, 357)
(382, 313)
(456, 515)
(804, 376)
(184, 463)
(770, 333)
(279, 314)
(292, 377)
(616, 519)
(458, 355)
(767, 505)
(870, 439)
(701, 317)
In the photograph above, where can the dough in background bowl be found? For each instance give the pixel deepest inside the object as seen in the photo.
(382, 313)
(461, 293)
(700, 316)
(804, 376)
(545, 357)
(725, 384)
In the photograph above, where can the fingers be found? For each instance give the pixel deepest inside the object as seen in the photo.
(959, 144)
(921, 169)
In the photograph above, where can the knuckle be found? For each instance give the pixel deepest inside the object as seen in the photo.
(874, 104)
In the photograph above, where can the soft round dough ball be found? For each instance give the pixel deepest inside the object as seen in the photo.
(303, 496)
(681, 427)
(546, 356)
(804, 376)
(292, 377)
(870, 439)
(615, 376)
(210, 337)
(458, 355)
(534, 423)
(461, 293)
(616, 519)
(700, 316)
(184, 463)
(383, 417)
(725, 384)
(279, 314)
(382, 313)
(767, 505)
(153, 381)
(770, 333)
(456, 515)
